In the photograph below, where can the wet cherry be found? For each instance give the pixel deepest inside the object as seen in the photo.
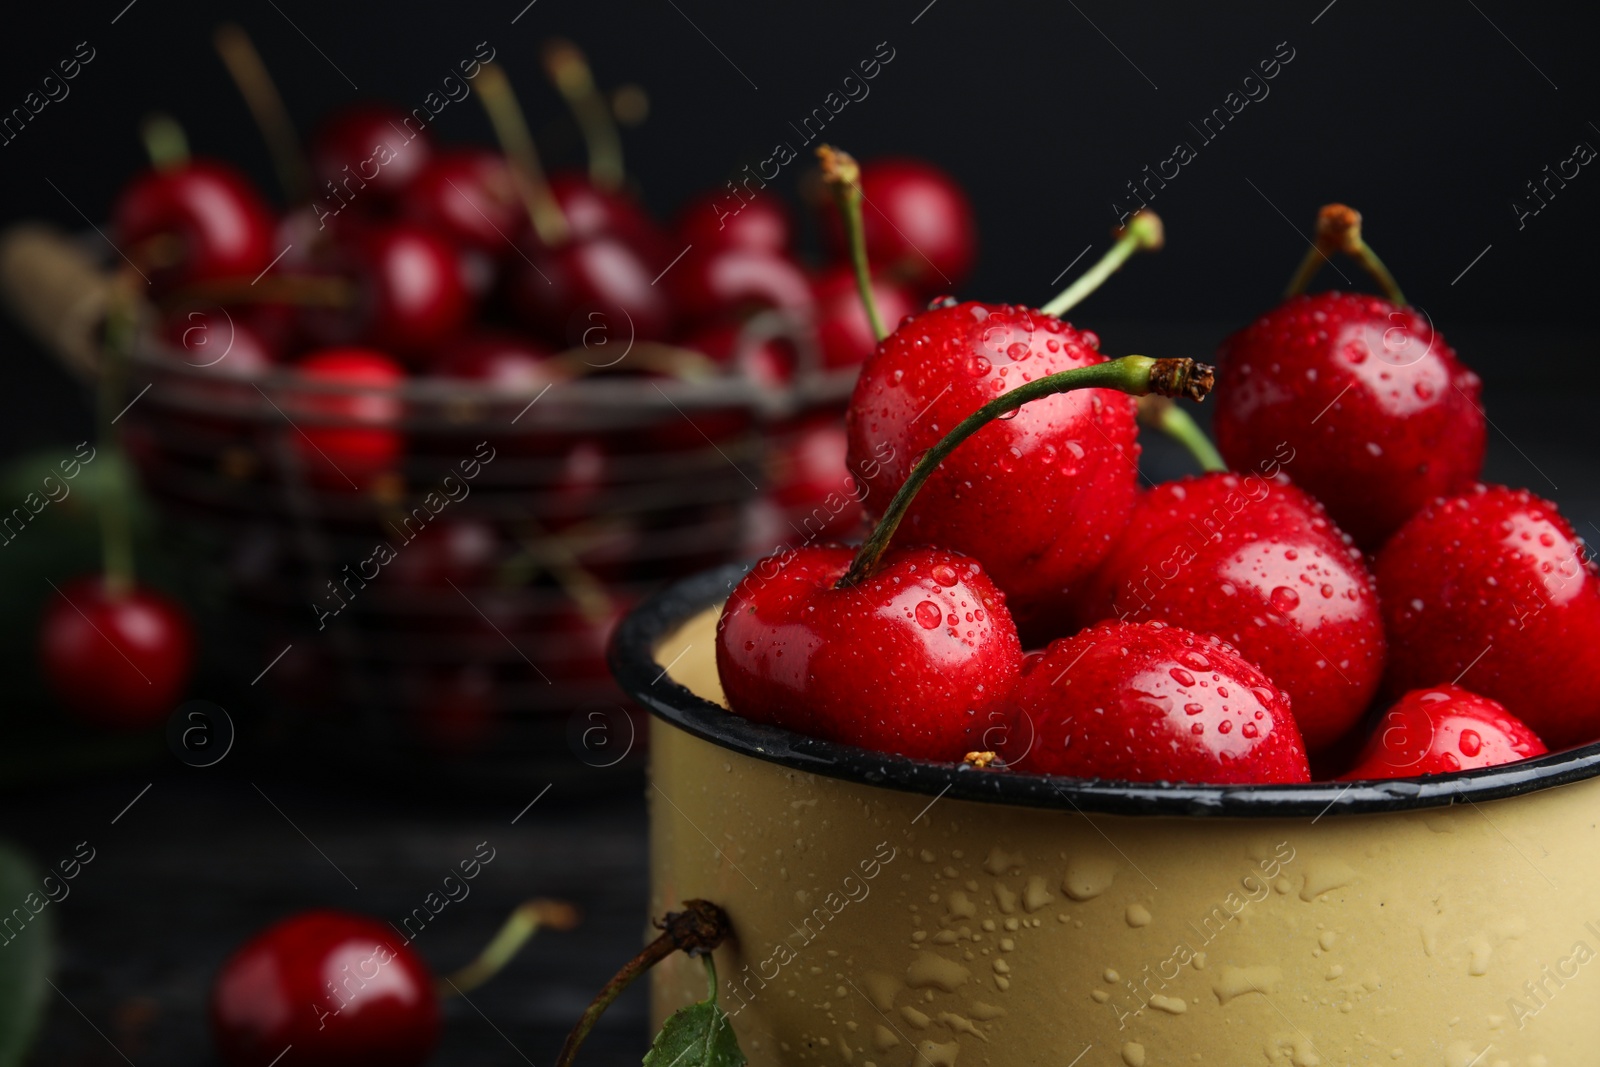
(1493, 590)
(1038, 498)
(906, 661)
(338, 988)
(116, 658)
(1148, 702)
(1441, 730)
(1257, 562)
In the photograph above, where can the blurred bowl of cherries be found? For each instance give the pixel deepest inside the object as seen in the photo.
(442, 417)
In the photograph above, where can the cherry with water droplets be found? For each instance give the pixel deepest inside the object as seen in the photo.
(1493, 590)
(1257, 562)
(1148, 702)
(1441, 730)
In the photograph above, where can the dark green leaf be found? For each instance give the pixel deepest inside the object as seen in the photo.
(697, 1036)
(25, 959)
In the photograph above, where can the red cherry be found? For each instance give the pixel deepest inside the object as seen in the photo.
(1442, 730)
(1493, 589)
(462, 551)
(370, 152)
(1038, 498)
(349, 436)
(222, 342)
(1148, 702)
(119, 660)
(339, 988)
(1256, 562)
(906, 661)
(919, 224)
(843, 330)
(591, 211)
(470, 196)
(737, 282)
(506, 361)
(196, 221)
(601, 283)
(807, 477)
(1380, 415)
(716, 220)
(416, 293)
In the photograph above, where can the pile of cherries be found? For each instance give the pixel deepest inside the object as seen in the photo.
(1344, 600)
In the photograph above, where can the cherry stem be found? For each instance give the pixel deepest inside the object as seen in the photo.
(1143, 231)
(261, 96)
(164, 141)
(1135, 375)
(567, 67)
(116, 526)
(700, 927)
(299, 290)
(842, 175)
(511, 130)
(1163, 414)
(1339, 230)
(522, 924)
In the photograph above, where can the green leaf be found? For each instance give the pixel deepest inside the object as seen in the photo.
(25, 959)
(697, 1036)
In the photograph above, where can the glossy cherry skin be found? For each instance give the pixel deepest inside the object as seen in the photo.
(1148, 702)
(768, 360)
(600, 283)
(594, 212)
(1493, 590)
(371, 153)
(907, 661)
(843, 330)
(339, 988)
(718, 219)
(1257, 562)
(348, 437)
(221, 341)
(735, 283)
(470, 196)
(1037, 498)
(198, 221)
(1380, 413)
(116, 661)
(919, 224)
(508, 361)
(416, 296)
(462, 552)
(1441, 730)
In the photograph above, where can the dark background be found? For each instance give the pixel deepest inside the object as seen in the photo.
(1429, 117)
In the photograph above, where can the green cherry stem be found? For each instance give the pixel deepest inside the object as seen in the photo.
(1134, 375)
(511, 130)
(842, 175)
(523, 924)
(249, 73)
(1162, 414)
(164, 141)
(116, 525)
(700, 927)
(1143, 231)
(569, 70)
(1339, 230)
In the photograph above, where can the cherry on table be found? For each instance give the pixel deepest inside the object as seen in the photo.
(339, 988)
(1440, 730)
(1148, 702)
(116, 657)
